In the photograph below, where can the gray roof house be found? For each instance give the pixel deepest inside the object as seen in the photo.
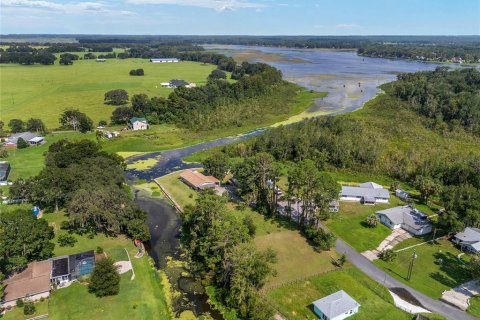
(468, 239)
(366, 193)
(30, 137)
(407, 218)
(337, 306)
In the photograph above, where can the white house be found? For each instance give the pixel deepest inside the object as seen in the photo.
(337, 306)
(138, 124)
(468, 239)
(407, 218)
(164, 60)
(365, 193)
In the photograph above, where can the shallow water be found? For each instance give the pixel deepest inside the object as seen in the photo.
(349, 79)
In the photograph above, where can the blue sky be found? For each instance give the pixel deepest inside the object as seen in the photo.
(246, 17)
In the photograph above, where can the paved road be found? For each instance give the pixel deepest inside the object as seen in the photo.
(381, 277)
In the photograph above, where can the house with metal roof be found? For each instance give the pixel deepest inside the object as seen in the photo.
(137, 124)
(33, 139)
(337, 306)
(365, 193)
(407, 218)
(401, 194)
(468, 239)
(164, 60)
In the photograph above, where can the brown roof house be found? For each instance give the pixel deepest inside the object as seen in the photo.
(198, 181)
(33, 283)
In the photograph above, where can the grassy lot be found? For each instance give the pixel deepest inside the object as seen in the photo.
(429, 275)
(295, 301)
(348, 224)
(28, 162)
(45, 91)
(183, 194)
(296, 258)
(474, 308)
(17, 313)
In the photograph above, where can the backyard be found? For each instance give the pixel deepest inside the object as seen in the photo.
(141, 298)
(435, 269)
(349, 224)
(294, 301)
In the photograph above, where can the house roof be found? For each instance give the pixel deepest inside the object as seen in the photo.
(196, 178)
(470, 235)
(60, 267)
(27, 136)
(178, 83)
(364, 192)
(36, 139)
(406, 215)
(33, 280)
(336, 304)
(371, 185)
(135, 119)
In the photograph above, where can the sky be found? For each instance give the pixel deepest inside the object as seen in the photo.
(241, 17)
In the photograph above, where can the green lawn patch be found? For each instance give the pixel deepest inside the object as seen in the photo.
(296, 258)
(429, 275)
(41, 308)
(349, 224)
(474, 308)
(181, 193)
(29, 162)
(294, 301)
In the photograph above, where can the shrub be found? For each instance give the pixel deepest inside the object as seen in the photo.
(29, 308)
(105, 280)
(20, 303)
(102, 123)
(66, 239)
(22, 144)
(321, 239)
(99, 250)
(372, 220)
(388, 255)
(252, 228)
(137, 72)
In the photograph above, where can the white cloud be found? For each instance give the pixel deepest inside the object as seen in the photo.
(219, 5)
(347, 26)
(77, 7)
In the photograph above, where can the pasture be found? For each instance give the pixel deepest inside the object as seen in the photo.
(44, 92)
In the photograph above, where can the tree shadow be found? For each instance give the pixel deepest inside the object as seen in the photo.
(449, 264)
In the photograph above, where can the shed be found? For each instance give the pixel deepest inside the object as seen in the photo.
(337, 306)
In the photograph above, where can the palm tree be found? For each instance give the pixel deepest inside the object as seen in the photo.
(372, 220)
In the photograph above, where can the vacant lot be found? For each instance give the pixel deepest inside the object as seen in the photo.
(349, 224)
(45, 91)
(296, 258)
(435, 269)
(295, 301)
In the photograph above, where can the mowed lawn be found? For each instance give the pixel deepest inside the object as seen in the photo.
(296, 258)
(349, 224)
(46, 91)
(435, 269)
(294, 301)
(181, 193)
(29, 162)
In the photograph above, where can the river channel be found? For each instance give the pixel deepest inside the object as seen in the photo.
(350, 81)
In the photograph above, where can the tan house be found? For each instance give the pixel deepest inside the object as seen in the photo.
(197, 180)
(32, 283)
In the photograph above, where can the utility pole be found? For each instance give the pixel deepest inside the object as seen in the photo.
(410, 267)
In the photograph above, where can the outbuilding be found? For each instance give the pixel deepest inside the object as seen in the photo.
(164, 60)
(337, 306)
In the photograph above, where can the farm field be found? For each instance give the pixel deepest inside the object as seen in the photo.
(46, 91)
(294, 301)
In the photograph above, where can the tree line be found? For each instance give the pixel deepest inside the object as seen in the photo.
(451, 98)
(467, 53)
(258, 91)
(89, 185)
(26, 55)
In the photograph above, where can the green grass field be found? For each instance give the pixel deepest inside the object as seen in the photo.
(348, 224)
(294, 301)
(183, 194)
(430, 276)
(474, 307)
(46, 91)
